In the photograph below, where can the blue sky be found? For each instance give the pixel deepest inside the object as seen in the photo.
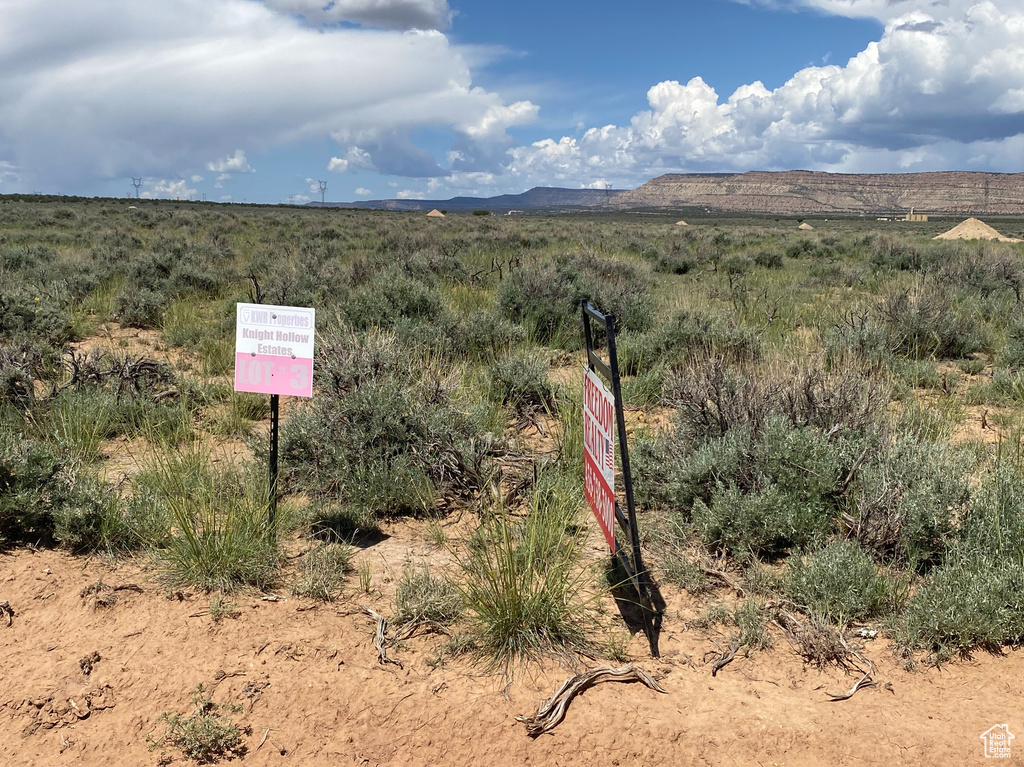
(259, 100)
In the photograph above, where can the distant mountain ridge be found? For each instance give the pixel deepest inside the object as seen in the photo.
(801, 192)
(795, 192)
(540, 197)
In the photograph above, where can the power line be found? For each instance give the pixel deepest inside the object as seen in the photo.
(137, 183)
(323, 191)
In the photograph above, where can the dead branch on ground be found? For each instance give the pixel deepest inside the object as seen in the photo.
(380, 640)
(552, 711)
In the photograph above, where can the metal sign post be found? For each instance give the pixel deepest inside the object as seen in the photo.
(274, 355)
(599, 463)
(275, 428)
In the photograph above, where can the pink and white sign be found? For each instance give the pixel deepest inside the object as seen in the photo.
(274, 349)
(599, 452)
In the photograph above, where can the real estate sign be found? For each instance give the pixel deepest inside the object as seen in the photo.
(274, 349)
(599, 452)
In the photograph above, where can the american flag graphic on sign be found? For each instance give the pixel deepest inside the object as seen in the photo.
(599, 452)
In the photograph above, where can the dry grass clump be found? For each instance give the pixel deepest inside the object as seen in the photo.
(323, 570)
(422, 598)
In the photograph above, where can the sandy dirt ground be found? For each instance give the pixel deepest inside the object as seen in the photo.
(97, 651)
(312, 692)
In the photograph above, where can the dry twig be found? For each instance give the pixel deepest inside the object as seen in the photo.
(726, 657)
(380, 641)
(723, 577)
(866, 679)
(552, 712)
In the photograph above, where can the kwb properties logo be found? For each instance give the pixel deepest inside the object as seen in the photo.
(997, 741)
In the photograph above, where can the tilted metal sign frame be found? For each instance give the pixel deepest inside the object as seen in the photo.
(627, 556)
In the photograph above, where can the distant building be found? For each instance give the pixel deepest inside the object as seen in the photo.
(912, 216)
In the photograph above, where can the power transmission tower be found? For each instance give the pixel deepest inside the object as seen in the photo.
(137, 183)
(323, 191)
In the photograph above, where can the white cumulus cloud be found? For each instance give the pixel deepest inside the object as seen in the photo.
(942, 88)
(168, 189)
(235, 163)
(115, 88)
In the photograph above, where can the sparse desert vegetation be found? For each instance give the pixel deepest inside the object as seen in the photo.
(826, 426)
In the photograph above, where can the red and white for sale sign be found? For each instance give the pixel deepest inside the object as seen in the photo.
(599, 452)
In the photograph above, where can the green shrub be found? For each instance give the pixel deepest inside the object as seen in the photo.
(207, 735)
(906, 498)
(768, 259)
(918, 374)
(986, 269)
(140, 307)
(332, 522)
(896, 255)
(856, 339)
(712, 398)
(760, 465)
(31, 311)
(965, 605)
(751, 620)
(992, 525)
(1012, 354)
(929, 323)
(520, 380)
(674, 263)
(546, 297)
(762, 523)
(33, 483)
(735, 265)
(838, 582)
(390, 295)
(95, 518)
(174, 268)
(684, 336)
(483, 336)
(973, 367)
(384, 432)
(748, 617)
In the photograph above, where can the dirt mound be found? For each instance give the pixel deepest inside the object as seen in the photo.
(681, 223)
(805, 227)
(973, 229)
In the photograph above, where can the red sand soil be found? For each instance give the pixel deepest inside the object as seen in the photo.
(307, 678)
